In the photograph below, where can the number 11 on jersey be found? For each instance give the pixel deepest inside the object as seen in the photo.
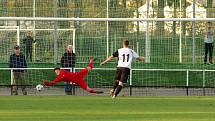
(124, 57)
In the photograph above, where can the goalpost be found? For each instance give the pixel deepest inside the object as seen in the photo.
(15, 41)
(22, 32)
(9, 37)
(12, 28)
(13, 35)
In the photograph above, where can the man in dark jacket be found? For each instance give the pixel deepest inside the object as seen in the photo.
(17, 60)
(68, 61)
(28, 41)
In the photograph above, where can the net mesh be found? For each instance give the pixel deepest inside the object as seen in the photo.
(166, 44)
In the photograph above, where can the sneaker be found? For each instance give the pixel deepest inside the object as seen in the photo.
(14, 93)
(111, 93)
(24, 93)
(114, 96)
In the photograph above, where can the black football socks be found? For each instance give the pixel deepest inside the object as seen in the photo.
(115, 85)
(118, 89)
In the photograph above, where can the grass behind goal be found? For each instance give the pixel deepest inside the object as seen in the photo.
(92, 108)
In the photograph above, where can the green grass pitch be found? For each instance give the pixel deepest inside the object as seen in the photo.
(93, 108)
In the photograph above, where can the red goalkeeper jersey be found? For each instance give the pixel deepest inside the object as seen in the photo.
(66, 76)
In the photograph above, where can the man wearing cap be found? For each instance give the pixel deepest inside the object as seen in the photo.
(17, 60)
(68, 61)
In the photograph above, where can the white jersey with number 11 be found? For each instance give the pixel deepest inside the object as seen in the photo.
(125, 56)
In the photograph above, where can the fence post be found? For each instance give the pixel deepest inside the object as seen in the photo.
(74, 85)
(203, 83)
(107, 30)
(187, 82)
(130, 83)
(194, 32)
(11, 81)
(55, 36)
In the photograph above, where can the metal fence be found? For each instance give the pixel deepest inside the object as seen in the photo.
(141, 82)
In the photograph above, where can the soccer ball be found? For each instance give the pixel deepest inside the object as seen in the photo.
(39, 87)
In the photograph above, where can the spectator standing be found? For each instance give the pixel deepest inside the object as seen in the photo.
(17, 60)
(28, 42)
(68, 60)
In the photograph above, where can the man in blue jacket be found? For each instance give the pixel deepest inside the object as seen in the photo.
(17, 60)
(68, 60)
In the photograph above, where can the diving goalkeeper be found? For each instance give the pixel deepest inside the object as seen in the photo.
(74, 77)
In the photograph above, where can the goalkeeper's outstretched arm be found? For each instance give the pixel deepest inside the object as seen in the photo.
(51, 83)
(108, 59)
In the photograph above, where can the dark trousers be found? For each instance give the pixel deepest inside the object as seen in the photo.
(18, 81)
(29, 54)
(69, 88)
(208, 49)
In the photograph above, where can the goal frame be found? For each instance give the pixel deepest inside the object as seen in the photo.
(12, 28)
(18, 29)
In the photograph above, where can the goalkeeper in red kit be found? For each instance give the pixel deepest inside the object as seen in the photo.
(74, 77)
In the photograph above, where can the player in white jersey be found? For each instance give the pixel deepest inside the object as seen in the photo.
(125, 56)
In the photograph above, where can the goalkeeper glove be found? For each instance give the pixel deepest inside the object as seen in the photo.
(46, 83)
